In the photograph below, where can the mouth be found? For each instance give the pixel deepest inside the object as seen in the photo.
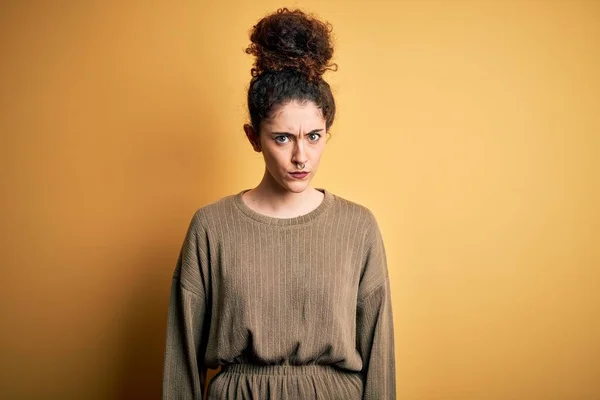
(299, 175)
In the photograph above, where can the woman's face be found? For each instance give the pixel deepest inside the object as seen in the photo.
(295, 133)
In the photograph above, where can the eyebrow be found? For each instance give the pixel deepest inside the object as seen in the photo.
(291, 134)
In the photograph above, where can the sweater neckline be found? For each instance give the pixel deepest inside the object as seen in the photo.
(299, 220)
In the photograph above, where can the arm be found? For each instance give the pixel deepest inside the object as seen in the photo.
(374, 324)
(184, 375)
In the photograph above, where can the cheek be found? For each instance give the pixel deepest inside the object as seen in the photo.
(317, 151)
(273, 157)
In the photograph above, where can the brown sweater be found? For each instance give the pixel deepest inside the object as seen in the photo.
(254, 289)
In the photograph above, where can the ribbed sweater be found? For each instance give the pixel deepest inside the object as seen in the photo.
(253, 289)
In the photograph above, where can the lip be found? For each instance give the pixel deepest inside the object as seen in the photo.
(299, 175)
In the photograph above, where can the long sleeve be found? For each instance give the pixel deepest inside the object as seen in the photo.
(184, 373)
(374, 322)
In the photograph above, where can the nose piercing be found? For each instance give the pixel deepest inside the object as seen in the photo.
(301, 165)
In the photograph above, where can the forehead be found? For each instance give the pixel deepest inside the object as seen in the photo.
(296, 115)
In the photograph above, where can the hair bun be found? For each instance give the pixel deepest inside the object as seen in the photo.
(291, 40)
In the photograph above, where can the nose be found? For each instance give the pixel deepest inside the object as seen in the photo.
(299, 154)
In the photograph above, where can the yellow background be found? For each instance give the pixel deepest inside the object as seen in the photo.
(471, 129)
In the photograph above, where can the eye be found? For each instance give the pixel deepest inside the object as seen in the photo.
(280, 137)
(316, 136)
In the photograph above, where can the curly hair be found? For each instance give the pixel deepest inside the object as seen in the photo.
(293, 50)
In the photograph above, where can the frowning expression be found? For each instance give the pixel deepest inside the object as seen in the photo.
(293, 134)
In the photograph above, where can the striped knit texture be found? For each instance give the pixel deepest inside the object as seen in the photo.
(294, 308)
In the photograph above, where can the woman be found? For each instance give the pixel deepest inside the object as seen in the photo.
(284, 286)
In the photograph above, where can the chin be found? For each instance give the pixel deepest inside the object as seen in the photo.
(297, 187)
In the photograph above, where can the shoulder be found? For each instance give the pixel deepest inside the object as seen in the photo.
(356, 211)
(206, 215)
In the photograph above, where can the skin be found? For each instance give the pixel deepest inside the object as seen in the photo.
(294, 133)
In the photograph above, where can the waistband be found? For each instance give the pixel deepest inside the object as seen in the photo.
(307, 369)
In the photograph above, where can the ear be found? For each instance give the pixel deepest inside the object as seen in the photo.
(252, 137)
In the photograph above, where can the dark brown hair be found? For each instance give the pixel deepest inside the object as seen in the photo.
(293, 50)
